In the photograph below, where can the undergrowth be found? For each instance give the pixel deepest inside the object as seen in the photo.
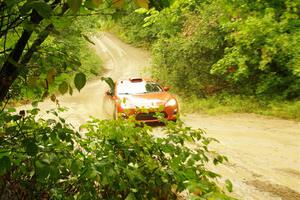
(219, 104)
(115, 159)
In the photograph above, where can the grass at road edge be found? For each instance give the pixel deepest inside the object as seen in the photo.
(242, 104)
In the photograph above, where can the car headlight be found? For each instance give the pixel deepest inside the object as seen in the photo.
(171, 102)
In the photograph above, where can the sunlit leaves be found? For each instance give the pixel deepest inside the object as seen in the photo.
(75, 5)
(229, 185)
(92, 4)
(118, 3)
(51, 75)
(32, 81)
(96, 2)
(130, 196)
(63, 87)
(114, 153)
(80, 80)
(143, 3)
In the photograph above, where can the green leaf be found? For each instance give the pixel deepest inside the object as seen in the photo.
(10, 3)
(143, 3)
(229, 185)
(92, 4)
(53, 97)
(97, 2)
(42, 170)
(41, 7)
(10, 110)
(141, 11)
(91, 173)
(54, 172)
(218, 159)
(94, 72)
(75, 166)
(34, 111)
(4, 164)
(63, 87)
(30, 147)
(62, 135)
(35, 104)
(32, 81)
(118, 3)
(70, 90)
(51, 75)
(130, 196)
(79, 80)
(75, 5)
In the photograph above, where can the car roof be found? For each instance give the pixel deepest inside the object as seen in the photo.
(135, 80)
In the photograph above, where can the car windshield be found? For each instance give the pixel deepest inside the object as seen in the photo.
(127, 87)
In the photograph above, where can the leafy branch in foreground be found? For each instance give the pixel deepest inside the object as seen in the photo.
(114, 160)
(26, 24)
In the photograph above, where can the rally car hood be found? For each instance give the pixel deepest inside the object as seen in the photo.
(149, 100)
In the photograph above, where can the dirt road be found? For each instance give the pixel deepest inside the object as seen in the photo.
(264, 153)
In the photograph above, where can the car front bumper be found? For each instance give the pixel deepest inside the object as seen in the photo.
(150, 114)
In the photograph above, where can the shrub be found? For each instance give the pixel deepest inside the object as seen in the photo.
(113, 160)
(241, 47)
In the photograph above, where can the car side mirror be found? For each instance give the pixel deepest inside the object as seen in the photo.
(109, 93)
(166, 89)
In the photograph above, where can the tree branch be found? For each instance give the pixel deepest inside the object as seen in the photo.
(41, 38)
(2, 52)
(9, 71)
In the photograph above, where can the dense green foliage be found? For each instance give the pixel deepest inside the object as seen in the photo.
(204, 47)
(62, 55)
(114, 160)
(41, 40)
(64, 51)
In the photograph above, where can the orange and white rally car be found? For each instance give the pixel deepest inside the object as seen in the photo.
(143, 99)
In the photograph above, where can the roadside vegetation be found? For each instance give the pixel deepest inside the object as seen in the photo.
(116, 159)
(45, 51)
(67, 51)
(225, 104)
(245, 52)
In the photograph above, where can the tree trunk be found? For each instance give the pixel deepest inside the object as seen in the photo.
(10, 69)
